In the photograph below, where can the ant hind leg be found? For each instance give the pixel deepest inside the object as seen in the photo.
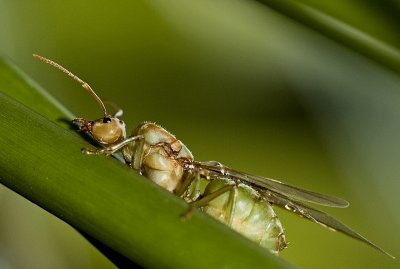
(206, 199)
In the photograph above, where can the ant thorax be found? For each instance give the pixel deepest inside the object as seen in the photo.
(158, 156)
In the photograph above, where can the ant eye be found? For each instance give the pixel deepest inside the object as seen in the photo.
(106, 120)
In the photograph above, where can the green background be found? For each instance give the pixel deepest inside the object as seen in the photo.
(239, 82)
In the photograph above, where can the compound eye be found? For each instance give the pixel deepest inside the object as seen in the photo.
(106, 120)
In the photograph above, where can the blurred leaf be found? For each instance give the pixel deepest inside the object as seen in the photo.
(342, 29)
(102, 198)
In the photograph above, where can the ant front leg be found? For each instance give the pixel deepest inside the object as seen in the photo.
(113, 148)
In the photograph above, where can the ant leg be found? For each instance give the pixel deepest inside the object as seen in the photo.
(186, 182)
(205, 200)
(186, 191)
(196, 191)
(231, 205)
(137, 156)
(111, 149)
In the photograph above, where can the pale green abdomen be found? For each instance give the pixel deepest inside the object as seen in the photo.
(247, 214)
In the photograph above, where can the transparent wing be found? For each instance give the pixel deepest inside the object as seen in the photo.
(274, 186)
(319, 217)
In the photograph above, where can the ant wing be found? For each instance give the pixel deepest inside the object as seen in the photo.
(274, 185)
(317, 216)
(282, 195)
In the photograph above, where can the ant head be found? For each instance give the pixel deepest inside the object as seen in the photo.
(106, 130)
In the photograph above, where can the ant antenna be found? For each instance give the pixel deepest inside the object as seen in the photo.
(84, 84)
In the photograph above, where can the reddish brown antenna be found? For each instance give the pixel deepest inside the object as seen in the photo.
(84, 84)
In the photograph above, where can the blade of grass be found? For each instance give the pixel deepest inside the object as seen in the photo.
(20, 87)
(104, 199)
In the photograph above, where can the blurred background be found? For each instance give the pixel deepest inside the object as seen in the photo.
(305, 92)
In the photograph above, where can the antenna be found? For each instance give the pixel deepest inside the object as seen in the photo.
(84, 84)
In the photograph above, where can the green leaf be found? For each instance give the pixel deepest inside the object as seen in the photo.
(102, 198)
